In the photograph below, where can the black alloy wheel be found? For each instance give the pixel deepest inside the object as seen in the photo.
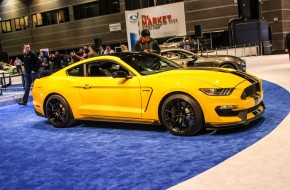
(182, 115)
(58, 111)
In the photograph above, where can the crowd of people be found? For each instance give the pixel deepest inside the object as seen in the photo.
(54, 61)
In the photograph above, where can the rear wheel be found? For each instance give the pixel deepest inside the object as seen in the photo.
(181, 115)
(58, 111)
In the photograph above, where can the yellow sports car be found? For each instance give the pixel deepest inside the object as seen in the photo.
(148, 88)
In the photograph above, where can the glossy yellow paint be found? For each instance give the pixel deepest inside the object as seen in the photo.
(139, 98)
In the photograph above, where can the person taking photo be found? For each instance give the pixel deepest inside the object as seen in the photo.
(146, 43)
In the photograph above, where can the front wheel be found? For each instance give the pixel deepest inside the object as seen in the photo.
(58, 111)
(14, 71)
(182, 115)
(190, 64)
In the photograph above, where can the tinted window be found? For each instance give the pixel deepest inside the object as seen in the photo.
(51, 17)
(96, 8)
(147, 64)
(6, 26)
(104, 68)
(76, 71)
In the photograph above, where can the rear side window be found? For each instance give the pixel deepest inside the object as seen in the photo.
(76, 71)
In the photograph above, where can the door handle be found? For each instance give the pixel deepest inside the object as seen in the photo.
(86, 86)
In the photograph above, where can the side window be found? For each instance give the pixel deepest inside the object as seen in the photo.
(76, 71)
(94, 70)
(171, 55)
(109, 67)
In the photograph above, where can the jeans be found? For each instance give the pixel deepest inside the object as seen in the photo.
(19, 69)
(29, 79)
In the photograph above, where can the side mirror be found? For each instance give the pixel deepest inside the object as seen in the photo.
(119, 74)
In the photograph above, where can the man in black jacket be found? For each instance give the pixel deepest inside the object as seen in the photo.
(31, 66)
(287, 44)
(146, 43)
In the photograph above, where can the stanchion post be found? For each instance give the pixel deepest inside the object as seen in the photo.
(244, 51)
(235, 50)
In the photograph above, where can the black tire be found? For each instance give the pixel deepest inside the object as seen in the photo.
(229, 66)
(14, 71)
(181, 115)
(58, 112)
(190, 64)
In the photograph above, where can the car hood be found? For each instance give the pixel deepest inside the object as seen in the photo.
(222, 78)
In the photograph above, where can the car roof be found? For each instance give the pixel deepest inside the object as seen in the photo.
(123, 54)
(168, 50)
(178, 37)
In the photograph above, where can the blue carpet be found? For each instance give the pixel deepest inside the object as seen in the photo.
(97, 155)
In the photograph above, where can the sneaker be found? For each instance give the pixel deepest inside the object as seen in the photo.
(22, 103)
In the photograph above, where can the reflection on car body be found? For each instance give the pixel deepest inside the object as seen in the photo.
(148, 88)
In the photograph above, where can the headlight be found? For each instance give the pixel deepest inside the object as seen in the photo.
(217, 91)
(241, 62)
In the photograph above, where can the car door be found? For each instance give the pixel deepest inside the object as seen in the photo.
(106, 96)
(203, 62)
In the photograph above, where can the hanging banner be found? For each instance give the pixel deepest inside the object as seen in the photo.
(162, 21)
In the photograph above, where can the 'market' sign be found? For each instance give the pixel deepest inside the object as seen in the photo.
(162, 21)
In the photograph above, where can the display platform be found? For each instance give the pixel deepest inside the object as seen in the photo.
(98, 155)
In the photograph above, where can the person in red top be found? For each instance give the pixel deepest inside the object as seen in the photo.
(11, 62)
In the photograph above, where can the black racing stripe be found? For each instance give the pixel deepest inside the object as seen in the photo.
(241, 74)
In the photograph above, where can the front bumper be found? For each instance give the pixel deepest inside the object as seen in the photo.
(245, 116)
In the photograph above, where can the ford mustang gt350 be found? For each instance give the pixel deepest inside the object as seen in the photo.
(148, 88)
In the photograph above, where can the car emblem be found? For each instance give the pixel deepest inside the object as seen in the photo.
(133, 18)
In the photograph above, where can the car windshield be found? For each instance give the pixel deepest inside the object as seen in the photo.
(171, 54)
(147, 64)
(188, 54)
